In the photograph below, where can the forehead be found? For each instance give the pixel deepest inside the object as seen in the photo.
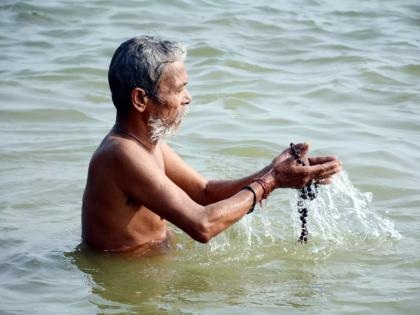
(174, 75)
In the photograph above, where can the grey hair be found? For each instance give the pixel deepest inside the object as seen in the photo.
(140, 62)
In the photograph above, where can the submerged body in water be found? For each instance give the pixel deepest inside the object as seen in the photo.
(136, 181)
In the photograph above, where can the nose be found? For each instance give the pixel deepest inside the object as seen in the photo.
(187, 98)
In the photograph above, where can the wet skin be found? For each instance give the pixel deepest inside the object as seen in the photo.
(135, 185)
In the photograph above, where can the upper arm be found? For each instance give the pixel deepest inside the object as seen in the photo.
(141, 177)
(184, 175)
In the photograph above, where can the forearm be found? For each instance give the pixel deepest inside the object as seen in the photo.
(221, 215)
(216, 190)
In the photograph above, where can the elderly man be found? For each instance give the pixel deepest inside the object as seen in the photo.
(136, 182)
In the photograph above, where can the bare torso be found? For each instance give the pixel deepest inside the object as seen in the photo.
(125, 180)
(112, 220)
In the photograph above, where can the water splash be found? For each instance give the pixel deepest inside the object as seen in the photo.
(253, 230)
(343, 214)
(340, 217)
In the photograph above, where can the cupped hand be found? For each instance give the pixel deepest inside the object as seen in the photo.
(301, 147)
(288, 173)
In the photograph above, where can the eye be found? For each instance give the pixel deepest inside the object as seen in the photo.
(178, 91)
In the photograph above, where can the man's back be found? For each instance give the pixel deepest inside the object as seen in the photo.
(112, 220)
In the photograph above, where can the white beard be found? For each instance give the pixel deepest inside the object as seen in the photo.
(160, 129)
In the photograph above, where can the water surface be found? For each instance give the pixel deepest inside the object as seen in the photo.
(344, 76)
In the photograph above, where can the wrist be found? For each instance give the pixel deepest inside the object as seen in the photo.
(267, 182)
(271, 179)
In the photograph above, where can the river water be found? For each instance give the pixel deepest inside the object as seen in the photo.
(342, 75)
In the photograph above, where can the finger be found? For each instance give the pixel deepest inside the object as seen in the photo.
(330, 172)
(326, 169)
(321, 159)
(303, 148)
(325, 181)
(324, 176)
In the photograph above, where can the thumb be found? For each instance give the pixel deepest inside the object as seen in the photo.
(303, 148)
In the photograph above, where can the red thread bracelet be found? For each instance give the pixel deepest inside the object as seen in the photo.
(264, 187)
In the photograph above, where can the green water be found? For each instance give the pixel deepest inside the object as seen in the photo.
(343, 75)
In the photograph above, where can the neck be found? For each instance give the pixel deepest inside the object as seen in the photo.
(135, 131)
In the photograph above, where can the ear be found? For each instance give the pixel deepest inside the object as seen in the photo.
(139, 99)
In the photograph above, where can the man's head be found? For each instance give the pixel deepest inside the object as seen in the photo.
(148, 75)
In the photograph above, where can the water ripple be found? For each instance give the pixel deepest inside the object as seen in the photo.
(343, 77)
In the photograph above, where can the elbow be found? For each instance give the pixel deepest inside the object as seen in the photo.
(202, 238)
(202, 233)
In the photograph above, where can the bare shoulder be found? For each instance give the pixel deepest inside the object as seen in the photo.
(122, 161)
(167, 151)
(117, 151)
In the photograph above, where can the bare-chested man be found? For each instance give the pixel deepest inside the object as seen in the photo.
(136, 182)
